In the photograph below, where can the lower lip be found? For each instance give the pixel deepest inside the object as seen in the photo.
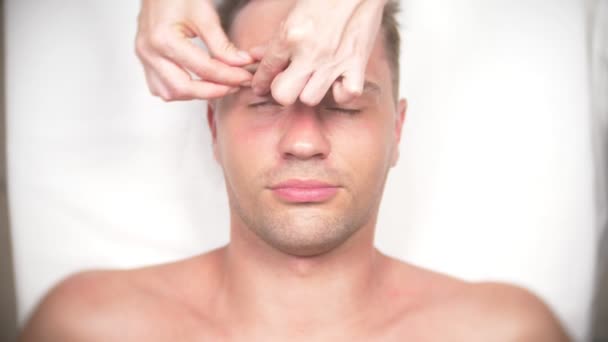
(305, 195)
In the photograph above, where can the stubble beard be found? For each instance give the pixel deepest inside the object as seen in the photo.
(302, 230)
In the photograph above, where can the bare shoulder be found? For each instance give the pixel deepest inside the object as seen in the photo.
(439, 307)
(121, 305)
(515, 312)
(79, 308)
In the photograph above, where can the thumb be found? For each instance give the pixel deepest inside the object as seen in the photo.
(220, 46)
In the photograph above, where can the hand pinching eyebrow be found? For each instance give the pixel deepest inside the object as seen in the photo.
(169, 56)
(310, 54)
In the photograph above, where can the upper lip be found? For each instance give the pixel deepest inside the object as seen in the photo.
(303, 184)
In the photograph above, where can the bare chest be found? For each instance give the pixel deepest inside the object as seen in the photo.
(395, 320)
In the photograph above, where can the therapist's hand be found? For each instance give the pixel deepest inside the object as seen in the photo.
(169, 56)
(319, 43)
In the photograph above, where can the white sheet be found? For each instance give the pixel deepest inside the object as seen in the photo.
(495, 178)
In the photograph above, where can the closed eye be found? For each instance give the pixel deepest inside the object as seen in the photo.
(262, 104)
(268, 103)
(344, 110)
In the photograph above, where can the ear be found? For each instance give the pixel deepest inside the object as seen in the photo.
(211, 121)
(399, 120)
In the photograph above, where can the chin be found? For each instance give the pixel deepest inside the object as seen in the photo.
(306, 235)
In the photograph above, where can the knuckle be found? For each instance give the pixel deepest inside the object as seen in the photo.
(159, 40)
(202, 70)
(178, 90)
(295, 34)
(140, 47)
(215, 76)
(292, 36)
(165, 96)
(269, 64)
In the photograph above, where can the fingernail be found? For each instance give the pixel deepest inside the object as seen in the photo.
(243, 55)
(232, 90)
(246, 84)
(257, 50)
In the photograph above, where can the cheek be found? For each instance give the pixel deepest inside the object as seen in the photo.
(362, 142)
(363, 150)
(245, 150)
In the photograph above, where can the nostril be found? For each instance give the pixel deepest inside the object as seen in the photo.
(299, 156)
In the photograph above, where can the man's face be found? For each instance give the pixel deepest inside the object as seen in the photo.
(349, 146)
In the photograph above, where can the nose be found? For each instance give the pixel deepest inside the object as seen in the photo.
(304, 137)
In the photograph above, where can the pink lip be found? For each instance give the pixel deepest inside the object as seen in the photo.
(304, 191)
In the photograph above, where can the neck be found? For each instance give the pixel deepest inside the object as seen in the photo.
(331, 290)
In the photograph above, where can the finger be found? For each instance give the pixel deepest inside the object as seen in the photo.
(288, 85)
(219, 45)
(177, 84)
(349, 86)
(275, 60)
(257, 52)
(340, 93)
(193, 58)
(317, 86)
(155, 85)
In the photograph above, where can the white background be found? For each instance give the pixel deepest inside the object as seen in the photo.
(495, 180)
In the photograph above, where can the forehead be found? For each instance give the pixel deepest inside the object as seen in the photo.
(258, 21)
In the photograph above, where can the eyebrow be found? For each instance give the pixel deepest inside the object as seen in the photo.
(368, 86)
